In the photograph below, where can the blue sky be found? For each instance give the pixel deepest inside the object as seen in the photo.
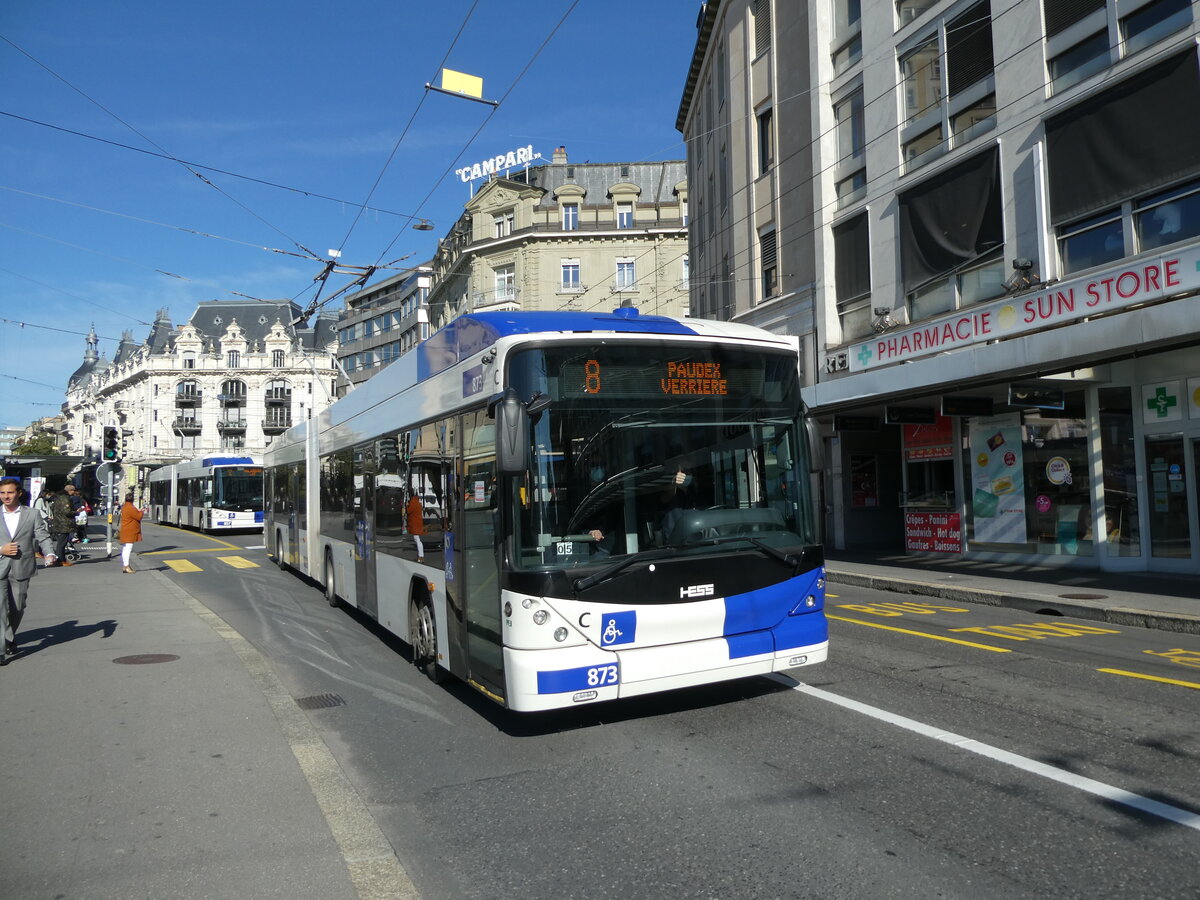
(309, 96)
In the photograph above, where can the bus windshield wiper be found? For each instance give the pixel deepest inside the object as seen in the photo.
(788, 559)
(582, 584)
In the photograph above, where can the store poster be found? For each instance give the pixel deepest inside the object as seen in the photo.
(998, 480)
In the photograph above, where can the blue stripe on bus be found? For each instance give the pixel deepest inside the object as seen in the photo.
(227, 461)
(467, 335)
(562, 681)
(756, 622)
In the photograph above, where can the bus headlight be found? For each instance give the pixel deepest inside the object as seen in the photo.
(810, 601)
(540, 617)
(560, 634)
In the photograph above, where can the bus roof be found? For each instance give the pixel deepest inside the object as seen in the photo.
(469, 334)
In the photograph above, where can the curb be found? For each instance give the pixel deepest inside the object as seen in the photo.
(1180, 623)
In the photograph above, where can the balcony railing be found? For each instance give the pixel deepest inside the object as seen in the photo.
(276, 424)
(188, 398)
(186, 426)
(572, 287)
(228, 400)
(230, 425)
(278, 397)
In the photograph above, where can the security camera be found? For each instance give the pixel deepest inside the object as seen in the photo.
(1022, 263)
(882, 310)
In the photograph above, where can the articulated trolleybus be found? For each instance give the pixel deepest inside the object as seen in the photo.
(216, 493)
(566, 507)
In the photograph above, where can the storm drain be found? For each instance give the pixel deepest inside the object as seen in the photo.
(1084, 596)
(320, 701)
(145, 659)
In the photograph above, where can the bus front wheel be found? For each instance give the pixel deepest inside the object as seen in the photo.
(422, 637)
(330, 585)
(279, 554)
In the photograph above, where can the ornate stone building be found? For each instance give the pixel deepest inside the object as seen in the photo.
(226, 382)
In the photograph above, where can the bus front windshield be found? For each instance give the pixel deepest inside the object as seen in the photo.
(239, 487)
(658, 447)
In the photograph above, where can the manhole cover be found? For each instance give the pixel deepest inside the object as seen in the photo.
(145, 659)
(320, 701)
(1084, 596)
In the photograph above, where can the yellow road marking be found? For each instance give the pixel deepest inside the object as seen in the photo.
(207, 537)
(1190, 684)
(199, 550)
(833, 596)
(182, 565)
(935, 637)
(238, 562)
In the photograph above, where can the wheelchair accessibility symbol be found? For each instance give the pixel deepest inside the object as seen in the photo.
(618, 628)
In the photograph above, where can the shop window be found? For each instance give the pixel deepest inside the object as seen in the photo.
(1170, 531)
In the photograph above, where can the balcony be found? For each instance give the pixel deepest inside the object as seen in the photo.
(231, 426)
(188, 398)
(276, 424)
(231, 400)
(278, 397)
(186, 426)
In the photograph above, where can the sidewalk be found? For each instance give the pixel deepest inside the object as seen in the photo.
(1170, 603)
(141, 757)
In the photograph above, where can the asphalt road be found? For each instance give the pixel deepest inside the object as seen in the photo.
(944, 751)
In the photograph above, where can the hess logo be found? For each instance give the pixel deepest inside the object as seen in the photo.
(693, 591)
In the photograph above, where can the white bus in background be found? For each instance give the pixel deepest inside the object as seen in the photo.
(217, 493)
(622, 505)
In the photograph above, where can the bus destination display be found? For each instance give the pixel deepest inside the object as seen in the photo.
(601, 377)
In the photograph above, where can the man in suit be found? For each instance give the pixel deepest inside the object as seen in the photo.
(26, 532)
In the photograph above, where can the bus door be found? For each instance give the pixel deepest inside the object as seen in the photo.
(479, 571)
(364, 530)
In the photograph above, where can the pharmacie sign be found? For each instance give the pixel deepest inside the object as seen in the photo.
(498, 163)
(1148, 279)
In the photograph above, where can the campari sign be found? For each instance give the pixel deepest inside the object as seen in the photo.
(1066, 301)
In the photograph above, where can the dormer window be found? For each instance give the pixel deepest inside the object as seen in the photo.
(624, 215)
(502, 223)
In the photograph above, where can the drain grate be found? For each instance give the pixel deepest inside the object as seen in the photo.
(1084, 596)
(320, 701)
(145, 659)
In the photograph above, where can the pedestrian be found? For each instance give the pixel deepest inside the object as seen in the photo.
(415, 515)
(26, 532)
(79, 511)
(130, 532)
(62, 524)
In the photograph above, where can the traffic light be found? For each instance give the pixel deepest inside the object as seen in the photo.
(112, 444)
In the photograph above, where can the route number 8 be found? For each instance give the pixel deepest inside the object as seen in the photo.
(591, 376)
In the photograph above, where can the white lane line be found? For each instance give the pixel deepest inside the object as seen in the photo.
(1099, 788)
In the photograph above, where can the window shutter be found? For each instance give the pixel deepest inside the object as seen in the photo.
(969, 48)
(1059, 14)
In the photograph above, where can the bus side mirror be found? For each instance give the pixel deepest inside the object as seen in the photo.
(816, 446)
(512, 435)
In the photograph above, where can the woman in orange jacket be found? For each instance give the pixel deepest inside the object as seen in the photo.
(130, 532)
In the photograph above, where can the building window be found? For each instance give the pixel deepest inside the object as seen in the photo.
(952, 237)
(768, 264)
(852, 276)
(762, 26)
(1080, 61)
(947, 105)
(189, 359)
(502, 224)
(1153, 22)
(626, 275)
(570, 216)
(766, 142)
(570, 275)
(851, 173)
(277, 359)
(506, 284)
(624, 215)
(685, 273)
(721, 76)
(910, 10)
(233, 359)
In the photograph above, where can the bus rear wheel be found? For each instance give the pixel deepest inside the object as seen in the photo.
(422, 637)
(279, 560)
(330, 586)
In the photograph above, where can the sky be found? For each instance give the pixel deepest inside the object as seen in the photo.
(155, 155)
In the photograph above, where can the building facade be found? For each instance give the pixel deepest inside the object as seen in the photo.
(581, 236)
(226, 382)
(1005, 229)
(382, 322)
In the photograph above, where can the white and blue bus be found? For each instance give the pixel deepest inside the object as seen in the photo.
(565, 507)
(216, 493)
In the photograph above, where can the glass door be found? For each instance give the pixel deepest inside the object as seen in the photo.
(1170, 530)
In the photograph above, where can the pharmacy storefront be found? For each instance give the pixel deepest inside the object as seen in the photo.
(1057, 426)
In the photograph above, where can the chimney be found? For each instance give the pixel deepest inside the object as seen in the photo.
(560, 156)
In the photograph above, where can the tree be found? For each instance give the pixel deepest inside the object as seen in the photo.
(39, 445)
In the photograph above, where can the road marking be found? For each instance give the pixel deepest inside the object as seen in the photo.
(1089, 785)
(934, 637)
(179, 550)
(238, 562)
(183, 565)
(1190, 684)
(255, 547)
(207, 537)
(1190, 658)
(1036, 631)
(899, 609)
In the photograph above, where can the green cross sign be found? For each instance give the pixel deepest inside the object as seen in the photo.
(864, 355)
(1161, 402)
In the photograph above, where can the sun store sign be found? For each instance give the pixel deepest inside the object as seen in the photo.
(1063, 302)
